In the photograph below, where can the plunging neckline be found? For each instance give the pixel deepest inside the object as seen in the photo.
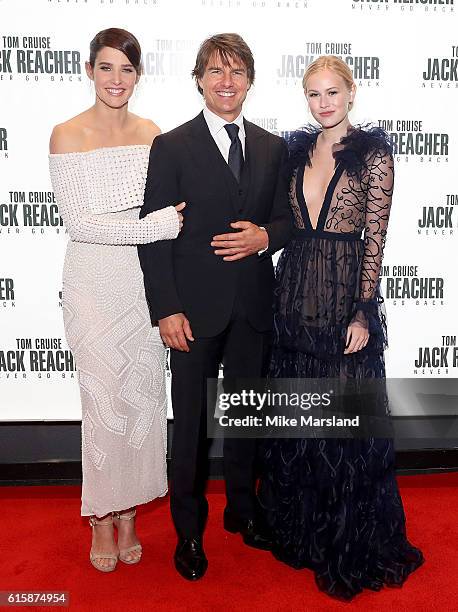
(324, 208)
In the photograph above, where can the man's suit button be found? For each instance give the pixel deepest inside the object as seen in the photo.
(240, 192)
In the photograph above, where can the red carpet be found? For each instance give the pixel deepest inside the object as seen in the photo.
(45, 546)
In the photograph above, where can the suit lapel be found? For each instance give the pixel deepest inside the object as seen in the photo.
(213, 166)
(245, 179)
(256, 160)
(206, 155)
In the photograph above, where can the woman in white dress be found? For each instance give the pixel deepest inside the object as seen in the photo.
(98, 165)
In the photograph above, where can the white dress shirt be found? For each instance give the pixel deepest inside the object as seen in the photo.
(220, 136)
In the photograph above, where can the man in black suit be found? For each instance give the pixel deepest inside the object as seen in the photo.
(211, 289)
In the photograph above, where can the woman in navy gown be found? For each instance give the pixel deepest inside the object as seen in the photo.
(333, 505)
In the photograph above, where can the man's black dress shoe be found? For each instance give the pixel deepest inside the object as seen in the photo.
(190, 559)
(251, 534)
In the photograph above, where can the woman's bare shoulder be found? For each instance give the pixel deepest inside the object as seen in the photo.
(69, 136)
(146, 130)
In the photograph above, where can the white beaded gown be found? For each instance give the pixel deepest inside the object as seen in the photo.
(119, 356)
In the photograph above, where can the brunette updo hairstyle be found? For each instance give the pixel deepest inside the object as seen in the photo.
(119, 39)
(333, 63)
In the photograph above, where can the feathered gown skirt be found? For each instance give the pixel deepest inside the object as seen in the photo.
(333, 505)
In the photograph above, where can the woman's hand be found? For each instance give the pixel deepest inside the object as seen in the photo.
(357, 338)
(179, 208)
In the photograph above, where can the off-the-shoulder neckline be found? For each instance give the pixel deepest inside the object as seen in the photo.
(132, 146)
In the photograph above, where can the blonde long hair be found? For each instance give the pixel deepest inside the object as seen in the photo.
(333, 63)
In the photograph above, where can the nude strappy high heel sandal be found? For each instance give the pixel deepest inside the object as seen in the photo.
(124, 552)
(96, 557)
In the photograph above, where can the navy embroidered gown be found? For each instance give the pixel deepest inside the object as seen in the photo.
(333, 505)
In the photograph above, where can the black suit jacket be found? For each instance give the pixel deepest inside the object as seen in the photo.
(185, 275)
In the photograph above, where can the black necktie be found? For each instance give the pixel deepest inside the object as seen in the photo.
(235, 160)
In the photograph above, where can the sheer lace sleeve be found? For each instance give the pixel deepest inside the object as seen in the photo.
(380, 184)
(84, 226)
(378, 205)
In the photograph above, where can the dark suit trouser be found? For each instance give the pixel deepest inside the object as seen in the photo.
(244, 353)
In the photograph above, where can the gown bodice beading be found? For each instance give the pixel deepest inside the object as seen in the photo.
(95, 189)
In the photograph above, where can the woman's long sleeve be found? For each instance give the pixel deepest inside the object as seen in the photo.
(83, 225)
(378, 207)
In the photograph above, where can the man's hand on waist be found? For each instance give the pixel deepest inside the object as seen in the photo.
(250, 239)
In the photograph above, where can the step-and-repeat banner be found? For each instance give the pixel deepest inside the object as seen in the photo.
(404, 57)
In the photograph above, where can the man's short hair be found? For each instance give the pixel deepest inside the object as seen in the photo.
(228, 47)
